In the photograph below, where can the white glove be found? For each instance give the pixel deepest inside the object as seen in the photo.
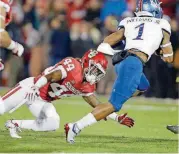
(18, 50)
(32, 94)
(1, 65)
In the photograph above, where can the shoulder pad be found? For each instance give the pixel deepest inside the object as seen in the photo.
(123, 23)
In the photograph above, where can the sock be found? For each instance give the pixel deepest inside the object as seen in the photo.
(113, 116)
(12, 45)
(88, 120)
(48, 124)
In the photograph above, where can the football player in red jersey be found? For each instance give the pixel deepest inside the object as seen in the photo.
(67, 78)
(5, 40)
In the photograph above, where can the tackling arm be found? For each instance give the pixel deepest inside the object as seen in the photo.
(5, 39)
(52, 74)
(115, 37)
(111, 40)
(91, 100)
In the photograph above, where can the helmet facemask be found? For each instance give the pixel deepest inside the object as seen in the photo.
(94, 73)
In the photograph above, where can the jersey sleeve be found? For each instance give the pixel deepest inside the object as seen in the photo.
(56, 68)
(165, 26)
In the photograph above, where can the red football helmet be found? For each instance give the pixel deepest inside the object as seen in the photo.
(94, 64)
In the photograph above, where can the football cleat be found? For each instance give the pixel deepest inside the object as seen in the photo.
(71, 132)
(13, 129)
(174, 129)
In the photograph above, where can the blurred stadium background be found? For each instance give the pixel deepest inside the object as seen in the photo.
(51, 30)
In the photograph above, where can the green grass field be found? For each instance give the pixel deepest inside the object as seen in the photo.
(149, 135)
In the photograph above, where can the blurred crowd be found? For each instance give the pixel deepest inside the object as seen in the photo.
(51, 30)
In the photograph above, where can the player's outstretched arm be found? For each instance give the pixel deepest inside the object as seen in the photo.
(111, 40)
(91, 100)
(166, 48)
(115, 37)
(5, 39)
(122, 119)
(52, 74)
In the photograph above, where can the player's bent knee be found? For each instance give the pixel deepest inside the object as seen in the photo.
(56, 121)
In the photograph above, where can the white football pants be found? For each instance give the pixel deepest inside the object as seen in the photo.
(45, 113)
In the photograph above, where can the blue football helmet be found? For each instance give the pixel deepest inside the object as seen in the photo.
(149, 8)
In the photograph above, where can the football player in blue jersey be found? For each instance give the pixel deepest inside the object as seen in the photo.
(144, 34)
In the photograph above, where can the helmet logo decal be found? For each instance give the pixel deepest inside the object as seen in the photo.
(92, 53)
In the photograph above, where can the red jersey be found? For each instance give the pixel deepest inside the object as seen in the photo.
(5, 4)
(71, 84)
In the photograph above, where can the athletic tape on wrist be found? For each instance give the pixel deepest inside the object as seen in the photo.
(165, 45)
(168, 55)
(12, 45)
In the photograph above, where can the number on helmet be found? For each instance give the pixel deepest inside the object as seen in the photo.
(92, 53)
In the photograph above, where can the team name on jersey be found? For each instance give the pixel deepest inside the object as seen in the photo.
(71, 88)
(143, 19)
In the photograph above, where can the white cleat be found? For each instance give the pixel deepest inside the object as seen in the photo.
(13, 129)
(71, 132)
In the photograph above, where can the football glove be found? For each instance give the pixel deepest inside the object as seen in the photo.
(18, 50)
(32, 94)
(125, 120)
